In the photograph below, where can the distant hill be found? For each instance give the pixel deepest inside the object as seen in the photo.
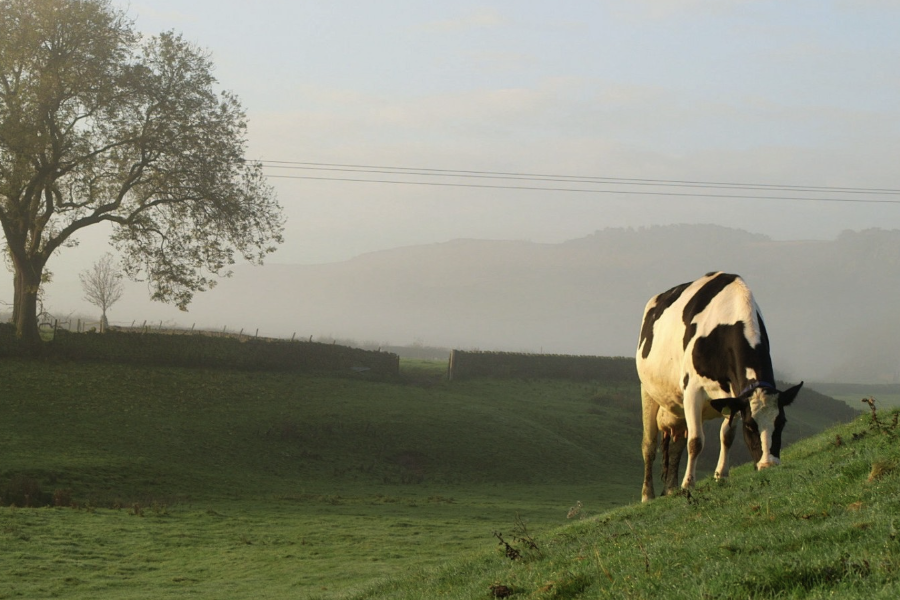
(829, 305)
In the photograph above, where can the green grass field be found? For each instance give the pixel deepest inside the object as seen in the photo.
(217, 484)
(826, 524)
(211, 483)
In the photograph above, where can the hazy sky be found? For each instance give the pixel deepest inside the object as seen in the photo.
(767, 92)
(772, 92)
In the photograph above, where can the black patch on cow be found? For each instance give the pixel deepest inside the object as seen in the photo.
(687, 378)
(725, 355)
(663, 301)
(698, 303)
(780, 422)
(694, 447)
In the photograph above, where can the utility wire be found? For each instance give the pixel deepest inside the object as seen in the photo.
(591, 190)
(470, 174)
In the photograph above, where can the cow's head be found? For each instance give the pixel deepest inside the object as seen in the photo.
(762, 413)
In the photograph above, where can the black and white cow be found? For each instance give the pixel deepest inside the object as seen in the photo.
(703, 353)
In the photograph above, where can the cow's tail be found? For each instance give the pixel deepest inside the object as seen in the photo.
(664, 446)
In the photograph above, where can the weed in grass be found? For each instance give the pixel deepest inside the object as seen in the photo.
(509, 551)
(501, 591)
(880, 468)
(575, 511)
(876, 425)
(62, 497)
(527, 544)
(524, 537)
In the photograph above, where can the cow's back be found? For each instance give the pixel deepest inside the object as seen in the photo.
(677, 318)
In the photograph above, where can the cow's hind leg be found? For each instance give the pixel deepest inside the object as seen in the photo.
(649, 410)
(672, 458)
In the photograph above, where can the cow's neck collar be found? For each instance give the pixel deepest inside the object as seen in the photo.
(755, 385)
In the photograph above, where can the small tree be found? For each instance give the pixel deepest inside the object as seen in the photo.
(102, 285)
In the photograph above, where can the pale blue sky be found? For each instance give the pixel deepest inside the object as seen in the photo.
(779, 92)
(776, 92)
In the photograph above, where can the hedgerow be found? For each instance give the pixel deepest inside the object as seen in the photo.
(197, 350)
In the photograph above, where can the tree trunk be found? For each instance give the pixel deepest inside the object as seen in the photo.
(27, 285)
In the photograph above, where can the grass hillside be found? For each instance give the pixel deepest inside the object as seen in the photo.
(207, 483)
(824, 524)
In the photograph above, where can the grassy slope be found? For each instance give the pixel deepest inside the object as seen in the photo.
(824, 524)
(210, 483)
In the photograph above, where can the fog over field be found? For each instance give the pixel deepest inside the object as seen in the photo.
(830, 306)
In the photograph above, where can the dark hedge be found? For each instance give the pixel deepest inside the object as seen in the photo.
(198, 350)
(467, 364)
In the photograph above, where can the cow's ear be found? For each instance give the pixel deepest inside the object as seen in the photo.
(788, 395)
(728, 406)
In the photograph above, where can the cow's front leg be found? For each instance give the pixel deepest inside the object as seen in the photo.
(693, 414)
(726, 435)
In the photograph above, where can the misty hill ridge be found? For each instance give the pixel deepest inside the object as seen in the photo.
(829, 305)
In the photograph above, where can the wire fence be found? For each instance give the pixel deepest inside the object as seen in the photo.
(49, 324)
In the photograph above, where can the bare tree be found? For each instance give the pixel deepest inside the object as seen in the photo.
(102, 285)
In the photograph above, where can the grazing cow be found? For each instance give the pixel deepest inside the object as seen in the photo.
(703, 353)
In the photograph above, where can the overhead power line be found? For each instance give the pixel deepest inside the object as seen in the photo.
(599, 185)
(557, 177)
